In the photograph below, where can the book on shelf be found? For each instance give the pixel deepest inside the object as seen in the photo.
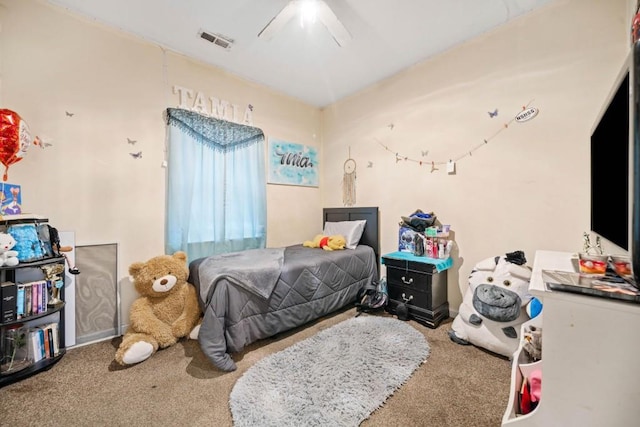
(45, 294)
(36, 344)
(8, 301)
(53, 335)
(36, 304)
(44, 341)
(51, 352)
(27, 300)
(20, 301)
(56, 338)
(42, 291)
(32, 298)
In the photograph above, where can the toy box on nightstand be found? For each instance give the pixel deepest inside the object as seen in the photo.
(406, 242)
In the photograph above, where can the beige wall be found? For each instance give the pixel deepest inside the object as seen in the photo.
(117, 87)
(526, 189)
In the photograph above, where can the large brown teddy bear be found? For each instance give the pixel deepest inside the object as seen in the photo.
(166, 310)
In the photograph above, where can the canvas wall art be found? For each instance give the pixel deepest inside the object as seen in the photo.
(10, 199)
(292, 164)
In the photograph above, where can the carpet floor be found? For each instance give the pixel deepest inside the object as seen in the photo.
(457, 386)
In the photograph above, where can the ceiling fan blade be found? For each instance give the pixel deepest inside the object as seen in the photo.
(280, 20)
(333, 24)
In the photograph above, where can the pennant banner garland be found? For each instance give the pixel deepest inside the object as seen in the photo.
(527, 113)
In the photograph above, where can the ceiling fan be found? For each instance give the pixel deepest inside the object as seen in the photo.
(307, 9)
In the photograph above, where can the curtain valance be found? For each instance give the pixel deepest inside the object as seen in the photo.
(220, 135)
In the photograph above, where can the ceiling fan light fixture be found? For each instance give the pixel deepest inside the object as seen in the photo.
(308, 12)
(321, 11)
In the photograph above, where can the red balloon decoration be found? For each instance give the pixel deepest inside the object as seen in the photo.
(15, 139)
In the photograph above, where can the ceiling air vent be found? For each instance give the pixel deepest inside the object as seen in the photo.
(217, 39)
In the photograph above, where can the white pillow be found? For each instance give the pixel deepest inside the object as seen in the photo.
(351, 230)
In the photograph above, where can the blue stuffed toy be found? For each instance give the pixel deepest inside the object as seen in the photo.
(28, 244)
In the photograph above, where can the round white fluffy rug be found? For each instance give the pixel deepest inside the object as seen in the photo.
(337, 377)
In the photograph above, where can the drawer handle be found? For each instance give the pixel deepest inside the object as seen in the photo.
(407, 282)
(404, 297)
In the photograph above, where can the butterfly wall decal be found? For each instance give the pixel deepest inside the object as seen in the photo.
(493, 113)
(425, 153)
(137, 155)
(370, 165)
(40, 143)
(131, 141)
(69, 114)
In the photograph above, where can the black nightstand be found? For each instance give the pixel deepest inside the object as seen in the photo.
(421, 283)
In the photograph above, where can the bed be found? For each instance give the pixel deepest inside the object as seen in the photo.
(254, 294)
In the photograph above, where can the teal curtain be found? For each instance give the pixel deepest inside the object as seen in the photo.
(216, 190)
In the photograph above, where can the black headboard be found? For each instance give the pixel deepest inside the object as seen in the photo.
(370, 235)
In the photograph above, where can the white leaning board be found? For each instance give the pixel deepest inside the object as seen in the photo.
(68, 238)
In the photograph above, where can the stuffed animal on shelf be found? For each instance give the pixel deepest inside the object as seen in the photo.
(28, 244)
(166, 310)
(8, 256)
(532, 343)
(328, 243)
(495, 305)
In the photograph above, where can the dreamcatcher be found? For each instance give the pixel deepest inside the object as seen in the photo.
(349, 182)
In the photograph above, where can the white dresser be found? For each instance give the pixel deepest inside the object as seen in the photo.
(590, 356)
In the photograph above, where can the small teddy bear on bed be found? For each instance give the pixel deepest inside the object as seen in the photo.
(166, 310)
(328, 243)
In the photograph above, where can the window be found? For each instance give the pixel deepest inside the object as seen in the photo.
(216, 190)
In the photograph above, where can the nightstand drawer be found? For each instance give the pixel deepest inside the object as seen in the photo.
(434, 285)
(408, 278)
(414, 296)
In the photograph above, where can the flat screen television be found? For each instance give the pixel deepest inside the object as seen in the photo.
(610, 167)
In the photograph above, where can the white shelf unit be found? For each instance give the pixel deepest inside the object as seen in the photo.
(510, 416)
(590, 352)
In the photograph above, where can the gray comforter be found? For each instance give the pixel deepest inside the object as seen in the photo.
(255, 294)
